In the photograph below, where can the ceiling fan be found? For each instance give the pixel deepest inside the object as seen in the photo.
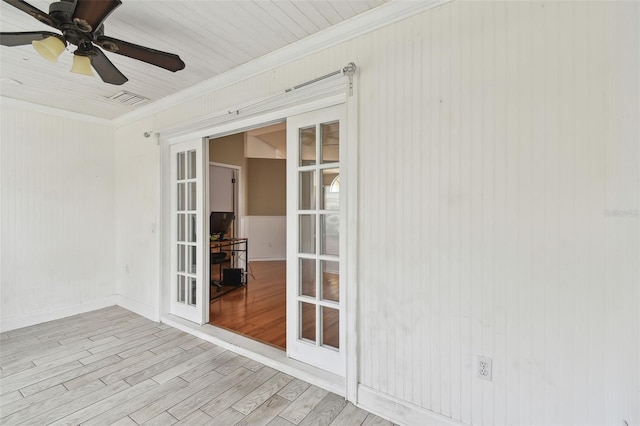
(81, 24)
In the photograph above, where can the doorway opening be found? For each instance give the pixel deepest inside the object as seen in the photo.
(255, 308)
(315, 237)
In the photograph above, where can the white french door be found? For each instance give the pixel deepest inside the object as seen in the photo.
(316, 230)
(188, 292)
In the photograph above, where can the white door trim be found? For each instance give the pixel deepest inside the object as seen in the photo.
(240, 196)
(351, 173)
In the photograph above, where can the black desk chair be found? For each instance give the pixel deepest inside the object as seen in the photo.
(217, 259)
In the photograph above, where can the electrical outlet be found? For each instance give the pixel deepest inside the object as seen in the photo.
(483, 368)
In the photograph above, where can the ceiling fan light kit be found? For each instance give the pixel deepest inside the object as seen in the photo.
(81, 65)
(82, 24)
(50, 48)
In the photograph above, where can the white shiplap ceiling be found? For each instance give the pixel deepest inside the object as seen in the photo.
(211, 37)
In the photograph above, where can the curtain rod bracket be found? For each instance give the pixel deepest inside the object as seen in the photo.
(350, 70)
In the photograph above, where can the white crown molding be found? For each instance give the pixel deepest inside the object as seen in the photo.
(383, 15)
(43, 109)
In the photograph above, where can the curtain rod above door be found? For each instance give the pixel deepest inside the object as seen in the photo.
(349, 70)
(267, 102)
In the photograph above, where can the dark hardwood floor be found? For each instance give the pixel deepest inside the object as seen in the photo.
(258, 310)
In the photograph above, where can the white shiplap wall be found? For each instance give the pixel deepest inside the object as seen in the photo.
(500, 133)
(57, 216)
(494, 139)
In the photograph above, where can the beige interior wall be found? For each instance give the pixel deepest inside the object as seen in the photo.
(228, 150)
(267, 179)
(263, 180)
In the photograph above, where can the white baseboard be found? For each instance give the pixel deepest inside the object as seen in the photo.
(14, 323)
(398, 411)
(149, 312)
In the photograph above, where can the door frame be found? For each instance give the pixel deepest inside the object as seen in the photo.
(274, 110)
(239, 194)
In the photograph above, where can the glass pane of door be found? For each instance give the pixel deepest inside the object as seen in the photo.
(331, 189)
(330, 327)
(308, 277)
(330, 135)
(307, 232)
(330, 234)
(307, 146)
(330, 280)
(308, 322)
(307, 190)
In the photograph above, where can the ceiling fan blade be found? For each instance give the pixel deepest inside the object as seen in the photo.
(33, 11)
(105, 69)
(89, 14)
(168, 61)
(20, 39)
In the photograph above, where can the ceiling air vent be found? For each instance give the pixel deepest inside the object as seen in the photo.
(128, 98)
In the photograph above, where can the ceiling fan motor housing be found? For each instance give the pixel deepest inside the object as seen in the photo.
(77, 33)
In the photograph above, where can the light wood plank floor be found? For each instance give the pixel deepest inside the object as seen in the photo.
(111, 366)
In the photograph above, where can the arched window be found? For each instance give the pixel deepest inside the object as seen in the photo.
(335, 184)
